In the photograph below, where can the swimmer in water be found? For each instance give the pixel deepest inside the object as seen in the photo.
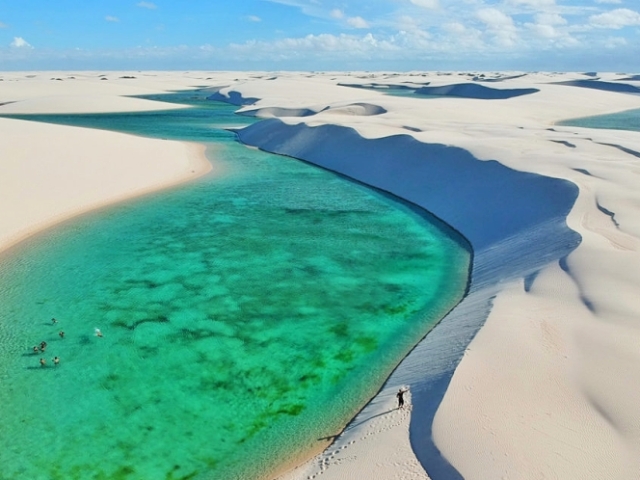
(56, 361)
(35, 349)
(43, 362)
(61, 333)
(98, 332)
(54, 321)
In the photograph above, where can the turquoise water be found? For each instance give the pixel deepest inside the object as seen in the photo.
(243, 317)
(628, 120)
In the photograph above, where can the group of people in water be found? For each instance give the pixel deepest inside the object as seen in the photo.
(43, 346)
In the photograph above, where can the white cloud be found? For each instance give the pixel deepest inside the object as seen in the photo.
(109, 18)
(316, 46)
(462, 38)
(336, 13)
(494, 18)
(548, 26)
(407, 23)
(615, 42)
(609, 1)
(500, 25)
(357, 22)
(616, 19)
(149, 5)
(308, 7)
(455, 28)
(537, 4)
(19, 42)
(431, 4)
(254, 18)
(542, 31)
(550, 19)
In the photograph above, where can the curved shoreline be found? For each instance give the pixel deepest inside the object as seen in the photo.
(376, 163)
(567, 328)
(174, 163)
(526, 392)
(77, 213)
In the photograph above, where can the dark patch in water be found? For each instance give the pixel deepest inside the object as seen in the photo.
(292, 410)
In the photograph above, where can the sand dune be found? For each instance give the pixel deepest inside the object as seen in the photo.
(535, 373)
(600, 85)
(518, 401)
(358, 109)
(474, 90)
(49, 173)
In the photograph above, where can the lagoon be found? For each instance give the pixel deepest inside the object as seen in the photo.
(244, 317)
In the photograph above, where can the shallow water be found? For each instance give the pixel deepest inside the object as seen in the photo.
(628, 120)
(243, 317)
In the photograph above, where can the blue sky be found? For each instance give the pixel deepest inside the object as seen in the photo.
(563, 35)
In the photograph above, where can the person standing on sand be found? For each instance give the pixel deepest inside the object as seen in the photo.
(400, 397)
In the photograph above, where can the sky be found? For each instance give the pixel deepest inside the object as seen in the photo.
(321, 35)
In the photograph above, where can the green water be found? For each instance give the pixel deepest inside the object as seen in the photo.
(243, 317)
(628, 120)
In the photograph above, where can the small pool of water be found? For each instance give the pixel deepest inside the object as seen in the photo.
(627, 120)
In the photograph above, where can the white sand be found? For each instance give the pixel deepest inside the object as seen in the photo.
(549, 386)
(49, 173)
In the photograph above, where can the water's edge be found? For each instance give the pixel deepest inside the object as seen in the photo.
(440, 179)
(422, 214)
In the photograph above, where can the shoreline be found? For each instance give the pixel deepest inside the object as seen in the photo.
(199, 165)
(446, 435)
(191, 164)
(283, 139)
(541, 377)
